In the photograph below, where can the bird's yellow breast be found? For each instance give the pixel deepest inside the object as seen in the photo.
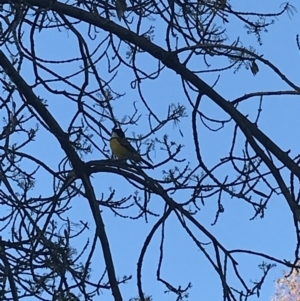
(118, 149)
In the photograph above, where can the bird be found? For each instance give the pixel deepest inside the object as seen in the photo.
(120, 8)
(122, 149)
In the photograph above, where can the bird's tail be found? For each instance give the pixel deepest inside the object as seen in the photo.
(147, 163)
(138, 159)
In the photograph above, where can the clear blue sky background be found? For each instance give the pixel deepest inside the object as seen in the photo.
(183, 262)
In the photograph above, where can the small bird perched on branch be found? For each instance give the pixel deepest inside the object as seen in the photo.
(122, 149)
(120, 8)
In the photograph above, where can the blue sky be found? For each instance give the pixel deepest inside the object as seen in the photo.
(183, 262)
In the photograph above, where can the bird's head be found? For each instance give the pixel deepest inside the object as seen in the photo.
(117, 132)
